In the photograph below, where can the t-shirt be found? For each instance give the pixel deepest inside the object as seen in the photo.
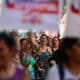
(53, 74)
(31, 61)
(18, 75)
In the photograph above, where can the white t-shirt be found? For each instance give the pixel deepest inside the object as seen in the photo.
(53, 74)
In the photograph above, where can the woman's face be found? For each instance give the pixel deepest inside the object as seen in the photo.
(44, 40)
(24, 45)
(5, 52)
(55, 42)
(74, 52)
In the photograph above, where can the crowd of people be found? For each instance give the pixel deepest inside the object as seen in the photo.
(35, 55)
(30, 58)
(27, 55)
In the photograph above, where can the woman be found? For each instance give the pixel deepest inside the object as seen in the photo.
(55, 43)
(43, 55)
(15, 56)
(55, 47)
(33, 44)
(68, 60)
(28, 61)
(8, 70)
(23, 45)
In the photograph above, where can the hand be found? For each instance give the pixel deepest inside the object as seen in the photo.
(40, 69)
(52, 62)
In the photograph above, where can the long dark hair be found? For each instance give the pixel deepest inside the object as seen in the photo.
(43, 36)
(8, 38)
(10, 41)
(60, 55)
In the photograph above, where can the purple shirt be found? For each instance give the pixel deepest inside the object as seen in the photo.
(18, 75)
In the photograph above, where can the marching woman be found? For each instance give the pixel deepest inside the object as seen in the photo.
(8, 70)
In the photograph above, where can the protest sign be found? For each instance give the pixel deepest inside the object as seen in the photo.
(73, 18)
(31, 14)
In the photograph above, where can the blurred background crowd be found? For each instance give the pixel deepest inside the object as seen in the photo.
(30, 54)
(35, 53)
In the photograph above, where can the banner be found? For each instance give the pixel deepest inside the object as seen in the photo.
(73, 18)
(31, 14)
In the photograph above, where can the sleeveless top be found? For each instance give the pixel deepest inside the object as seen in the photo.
(43, 58)
(43, 63)
(18, 75)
